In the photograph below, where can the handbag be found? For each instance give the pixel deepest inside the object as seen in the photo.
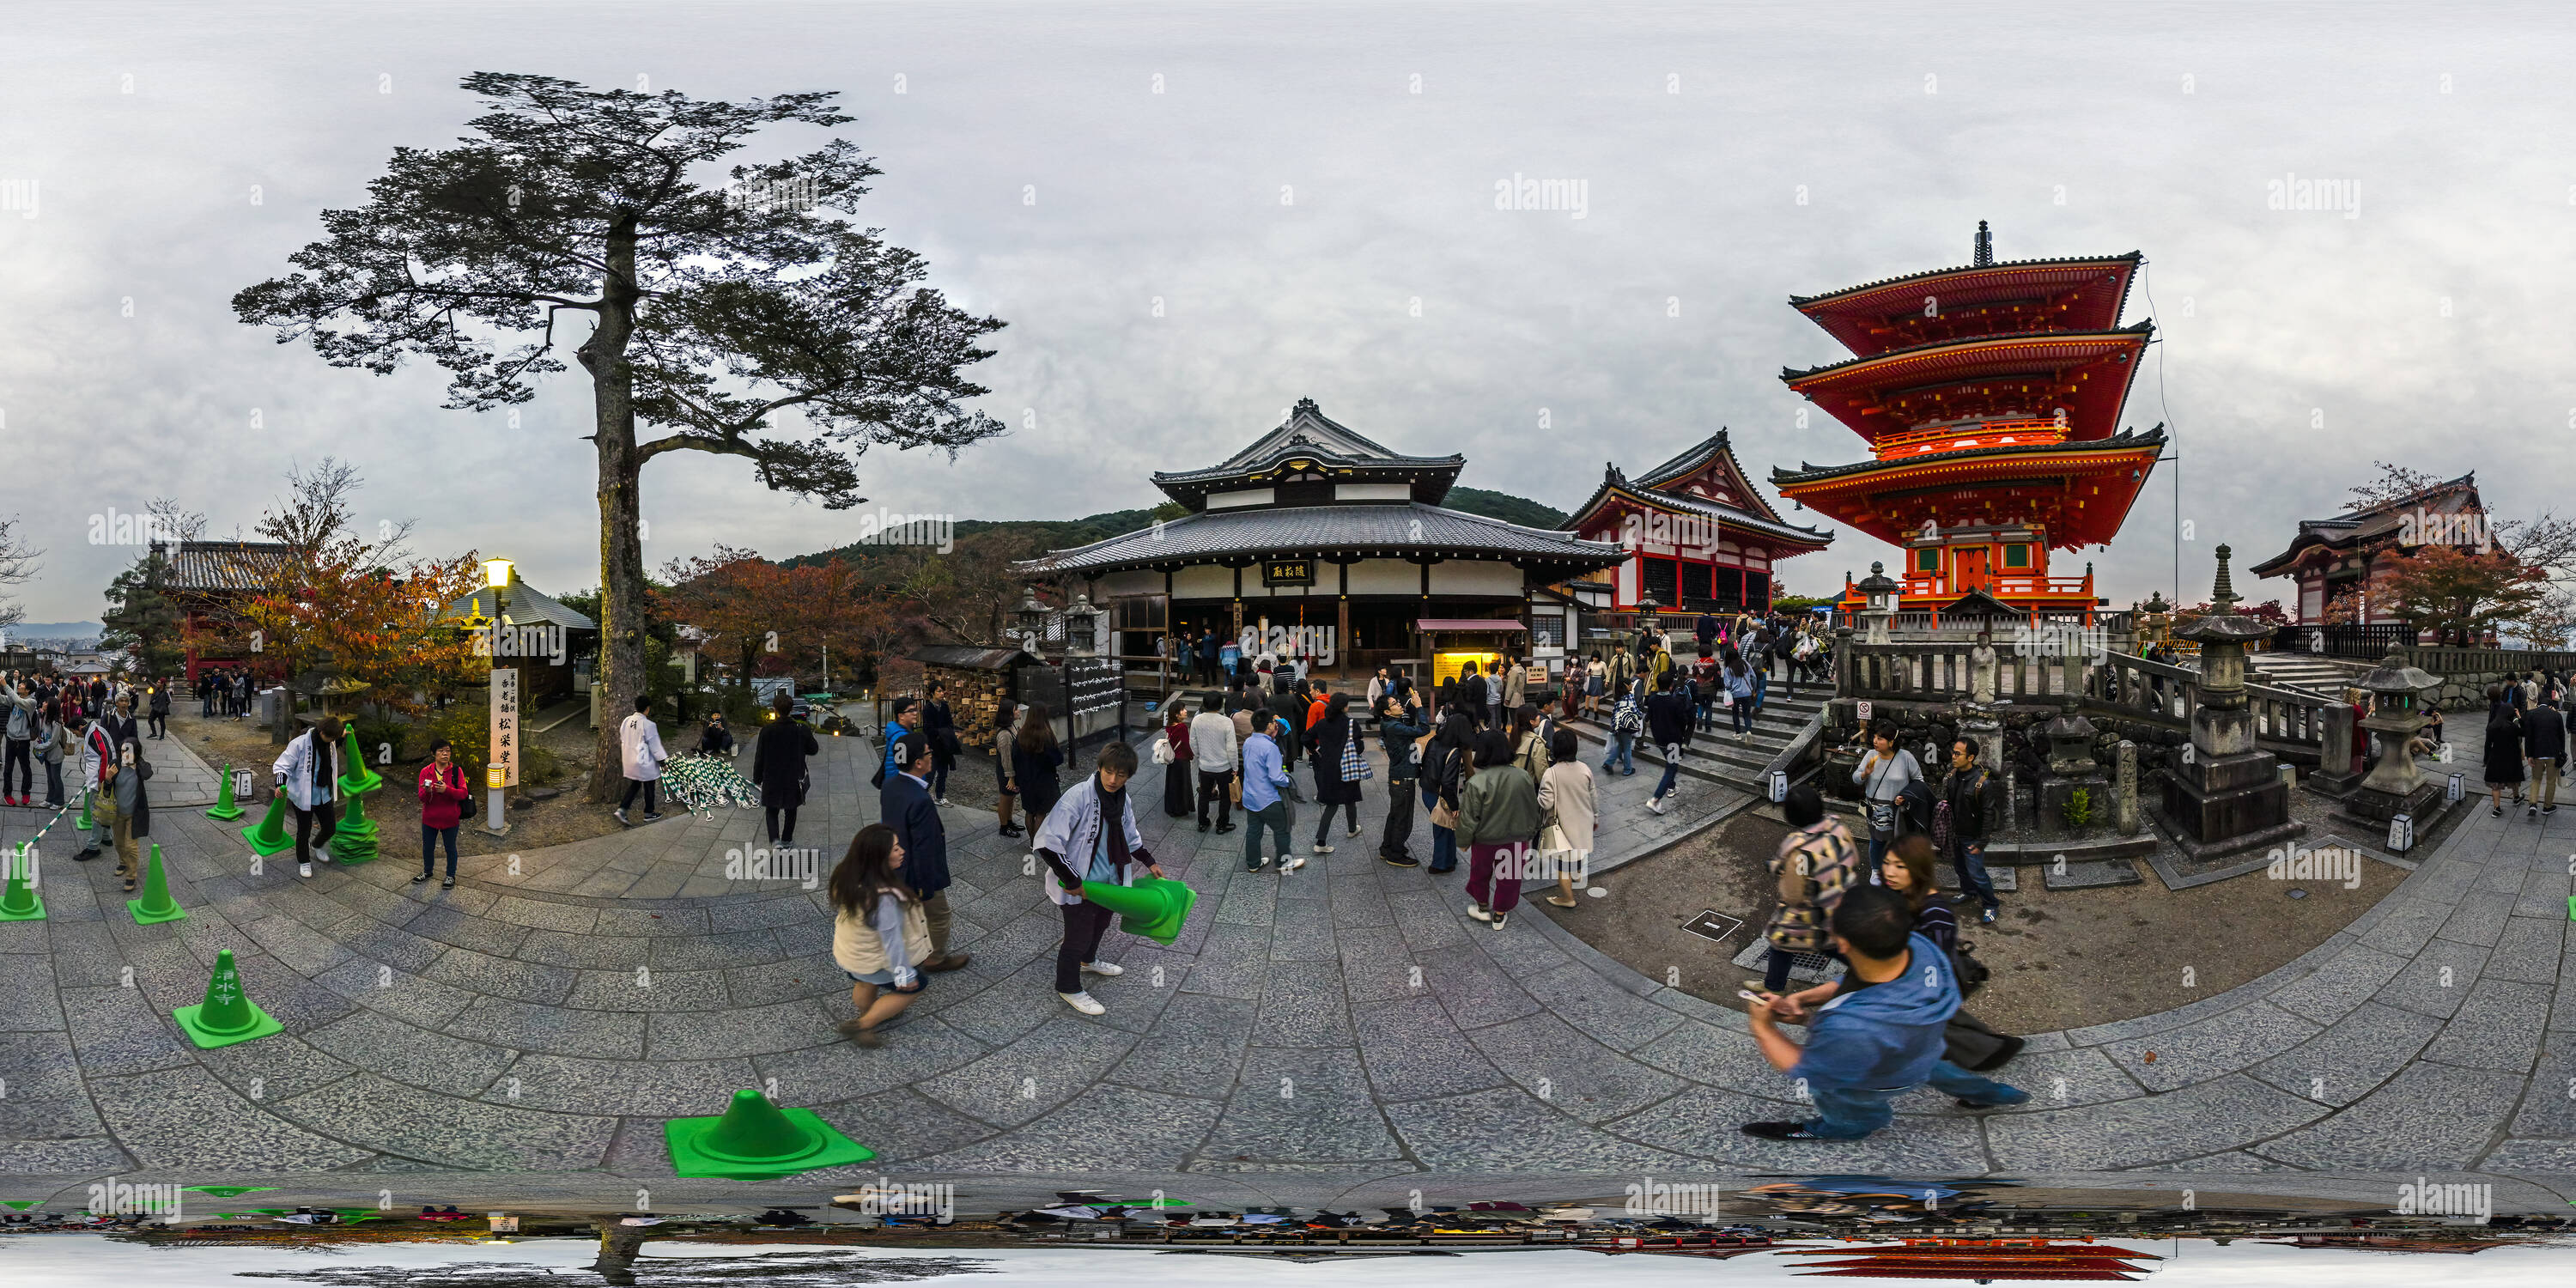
(1162, 749)
(1355, 766)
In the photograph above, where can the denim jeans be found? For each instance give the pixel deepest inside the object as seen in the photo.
(1970, 860)
(429, 837)
(1672, 771)
(1761, 686)
(1850, 1113)
(1273, 816)
(1623, 753)
(1444, 849)
(1742, 714)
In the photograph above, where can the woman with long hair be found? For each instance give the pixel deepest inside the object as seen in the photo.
(1331, 735)
(2504, 760)
(1035, 756)
(1739, 692)
(1444, 771)
(1568, 820)
(879, 932)
(1178, 780)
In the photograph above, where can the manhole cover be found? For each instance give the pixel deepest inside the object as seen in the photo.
(1712, 925)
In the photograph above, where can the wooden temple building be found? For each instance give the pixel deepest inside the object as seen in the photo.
(1698, 537)
(1317, 541)
(1980, 1260)
(2340, 561)
(1990, 398)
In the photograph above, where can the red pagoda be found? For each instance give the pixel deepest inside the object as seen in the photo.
(1981, 1260)
(1990, 397)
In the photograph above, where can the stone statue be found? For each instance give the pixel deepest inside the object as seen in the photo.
(1983, 666)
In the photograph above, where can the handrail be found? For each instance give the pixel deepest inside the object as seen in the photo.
(2120, 683)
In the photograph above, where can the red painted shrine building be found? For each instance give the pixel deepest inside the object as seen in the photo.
(1979, 1260)
(1698, 537)
(1990, 398)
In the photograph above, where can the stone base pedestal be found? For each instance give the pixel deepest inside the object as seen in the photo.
(2368, 811)
(2054, 793)
(2227, 804)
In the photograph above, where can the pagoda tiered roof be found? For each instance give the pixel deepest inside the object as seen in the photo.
(2078, 492)
(2082, 294)
(2004, 377)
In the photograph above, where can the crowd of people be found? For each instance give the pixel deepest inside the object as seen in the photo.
(93, 727)
(2526, 742)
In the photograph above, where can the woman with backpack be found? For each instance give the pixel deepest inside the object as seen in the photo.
(1340, 767)
(1529, 742)
(1627, 724)
(1444, 773)
(880, 932)
(1738, 679)
(1817, 861)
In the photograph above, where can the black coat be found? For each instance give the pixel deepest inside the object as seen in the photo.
(908, 809)
(2544, 734)
(2504, 753)
(778, 763)
(1330, 787)
(939, 724)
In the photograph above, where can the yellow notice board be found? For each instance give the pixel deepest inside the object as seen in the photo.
(1449, 664)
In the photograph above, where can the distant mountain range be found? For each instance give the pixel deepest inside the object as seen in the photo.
(1060, 534)
(56, 631)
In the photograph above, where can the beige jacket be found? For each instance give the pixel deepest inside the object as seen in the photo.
(1566, 790)
(860, 950)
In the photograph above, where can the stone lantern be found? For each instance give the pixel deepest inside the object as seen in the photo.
(2227, 796)
(1031, 617)
(1878, 599)
(2155, 622)
(1082, 627)
(2395, 785)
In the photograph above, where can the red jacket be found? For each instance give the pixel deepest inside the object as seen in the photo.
(442, 803)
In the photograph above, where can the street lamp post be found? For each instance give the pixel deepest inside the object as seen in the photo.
(496, 575)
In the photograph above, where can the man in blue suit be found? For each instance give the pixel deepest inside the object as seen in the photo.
(906, 806)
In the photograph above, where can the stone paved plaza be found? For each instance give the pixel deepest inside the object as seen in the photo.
(1344, 1026)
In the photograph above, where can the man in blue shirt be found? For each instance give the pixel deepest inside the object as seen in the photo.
(1264, 775)
(907, 717)
(1880, 1033)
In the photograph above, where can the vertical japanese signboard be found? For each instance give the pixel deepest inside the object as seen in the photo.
(505, 726)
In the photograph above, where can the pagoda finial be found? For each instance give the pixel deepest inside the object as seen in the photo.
(1985, 245)
(2223, 597)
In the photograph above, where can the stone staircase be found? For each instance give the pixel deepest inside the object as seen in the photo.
(1716, 755)
(2326, 676)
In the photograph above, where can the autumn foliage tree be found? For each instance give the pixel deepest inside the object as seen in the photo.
(367, 608)
(2458, 592)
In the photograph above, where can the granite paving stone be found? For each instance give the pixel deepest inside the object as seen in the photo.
(1413, 1052)
(2428, 1116)
(185, 1120)
(2438, 980)
(1041, 1069)
(2498, 1026)
(1301, 1105)
(459, 1133)
(1553, 1059)
(384, 1045)
(2220, 1045)
(2204, 1118)
(1704, 1123)
(46, 1099)
(2345, 1062)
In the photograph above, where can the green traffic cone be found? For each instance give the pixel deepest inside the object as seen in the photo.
(269, 834)
(758, 1141)
(225, 810)
(156, 905)
(20, 902)
(353, 839)
(85, 822)
(1153, 907)
(367, 779)
(227, 1015)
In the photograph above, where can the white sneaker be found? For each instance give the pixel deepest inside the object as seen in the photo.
(1353, 832)
(942, 802)
(1104, 968)
(1479, 911)
(1290, 863)
(1083, 1002)
(303, 869)
(1656, 804)
(1323, 849)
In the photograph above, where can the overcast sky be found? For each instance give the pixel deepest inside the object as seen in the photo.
(1306, 175)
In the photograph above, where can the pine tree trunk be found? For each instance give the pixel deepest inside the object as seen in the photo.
(621, 545)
